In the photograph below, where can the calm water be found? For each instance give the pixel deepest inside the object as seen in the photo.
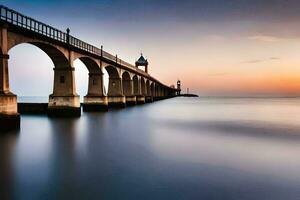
(182, 148)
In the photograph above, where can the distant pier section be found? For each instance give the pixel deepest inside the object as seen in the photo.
(187, 94)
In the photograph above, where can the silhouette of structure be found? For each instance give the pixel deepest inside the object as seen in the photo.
(142, 62)
(127, 83)
(178, 87)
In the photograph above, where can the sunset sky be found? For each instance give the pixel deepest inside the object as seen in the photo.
(215, 47)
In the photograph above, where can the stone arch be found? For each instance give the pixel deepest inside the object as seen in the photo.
(63, 97)
(115, 83)
(136, 85)
(91, 64)
(59, 55)
(95, 76)
(58, 58)
(112, 71)
(64, 84)
(30, 72)
(127, 84)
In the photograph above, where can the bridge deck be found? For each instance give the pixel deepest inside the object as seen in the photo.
(19, 20)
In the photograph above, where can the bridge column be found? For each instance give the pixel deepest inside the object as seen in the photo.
(64, 101)
(152, 88)
(148, 96)
(161, 92)
(115, 93)
(9, 116)
(95, 100)
(128, 92)
(165, 92)
(148, 99)
(156, 92)
(140, 98)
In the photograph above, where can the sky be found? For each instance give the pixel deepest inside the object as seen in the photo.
(215, 47)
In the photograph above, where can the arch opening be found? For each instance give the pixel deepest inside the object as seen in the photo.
(63, 94)
(58, 58)
(29, 77)
(92, 83)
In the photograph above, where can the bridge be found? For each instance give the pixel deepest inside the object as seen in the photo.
(127, 83)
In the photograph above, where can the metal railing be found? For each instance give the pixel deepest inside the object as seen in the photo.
(13, 17)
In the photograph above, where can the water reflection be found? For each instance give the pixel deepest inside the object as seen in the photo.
(174, 149)
(8, 143)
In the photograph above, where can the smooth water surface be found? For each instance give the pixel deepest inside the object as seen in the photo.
(181, 148)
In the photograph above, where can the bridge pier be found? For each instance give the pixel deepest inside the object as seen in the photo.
(95, 103)
(115, 93)
(148, 99)
(130, 100)
(127, 84)
(155, 93)
(140, 99)
(148, 95)
(117, 101)
(9, 116)
(64, 102)
(64, 106)
(95, 100)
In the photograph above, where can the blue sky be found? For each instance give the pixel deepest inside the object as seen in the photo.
(204, 43)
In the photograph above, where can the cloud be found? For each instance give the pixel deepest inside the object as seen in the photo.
(219, 74)
(260, 60)
(274, 58)
(265, 38)
(253, 61)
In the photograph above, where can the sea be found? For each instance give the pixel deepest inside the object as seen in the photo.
(174, 149)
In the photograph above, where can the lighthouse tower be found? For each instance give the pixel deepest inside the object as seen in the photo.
(142, 62)
(178, 87)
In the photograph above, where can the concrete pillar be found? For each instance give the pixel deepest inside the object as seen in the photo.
(157, 95)
(161, 92)
(164, 93)
(95, 100)
(115, 93)
(154, 92)
(152, 88)
(140, 98)
(148, 96)
(9, 116)
(128, 92)
(64, 101)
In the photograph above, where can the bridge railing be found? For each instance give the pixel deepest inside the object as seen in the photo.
(23, 21)
(13, 17)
